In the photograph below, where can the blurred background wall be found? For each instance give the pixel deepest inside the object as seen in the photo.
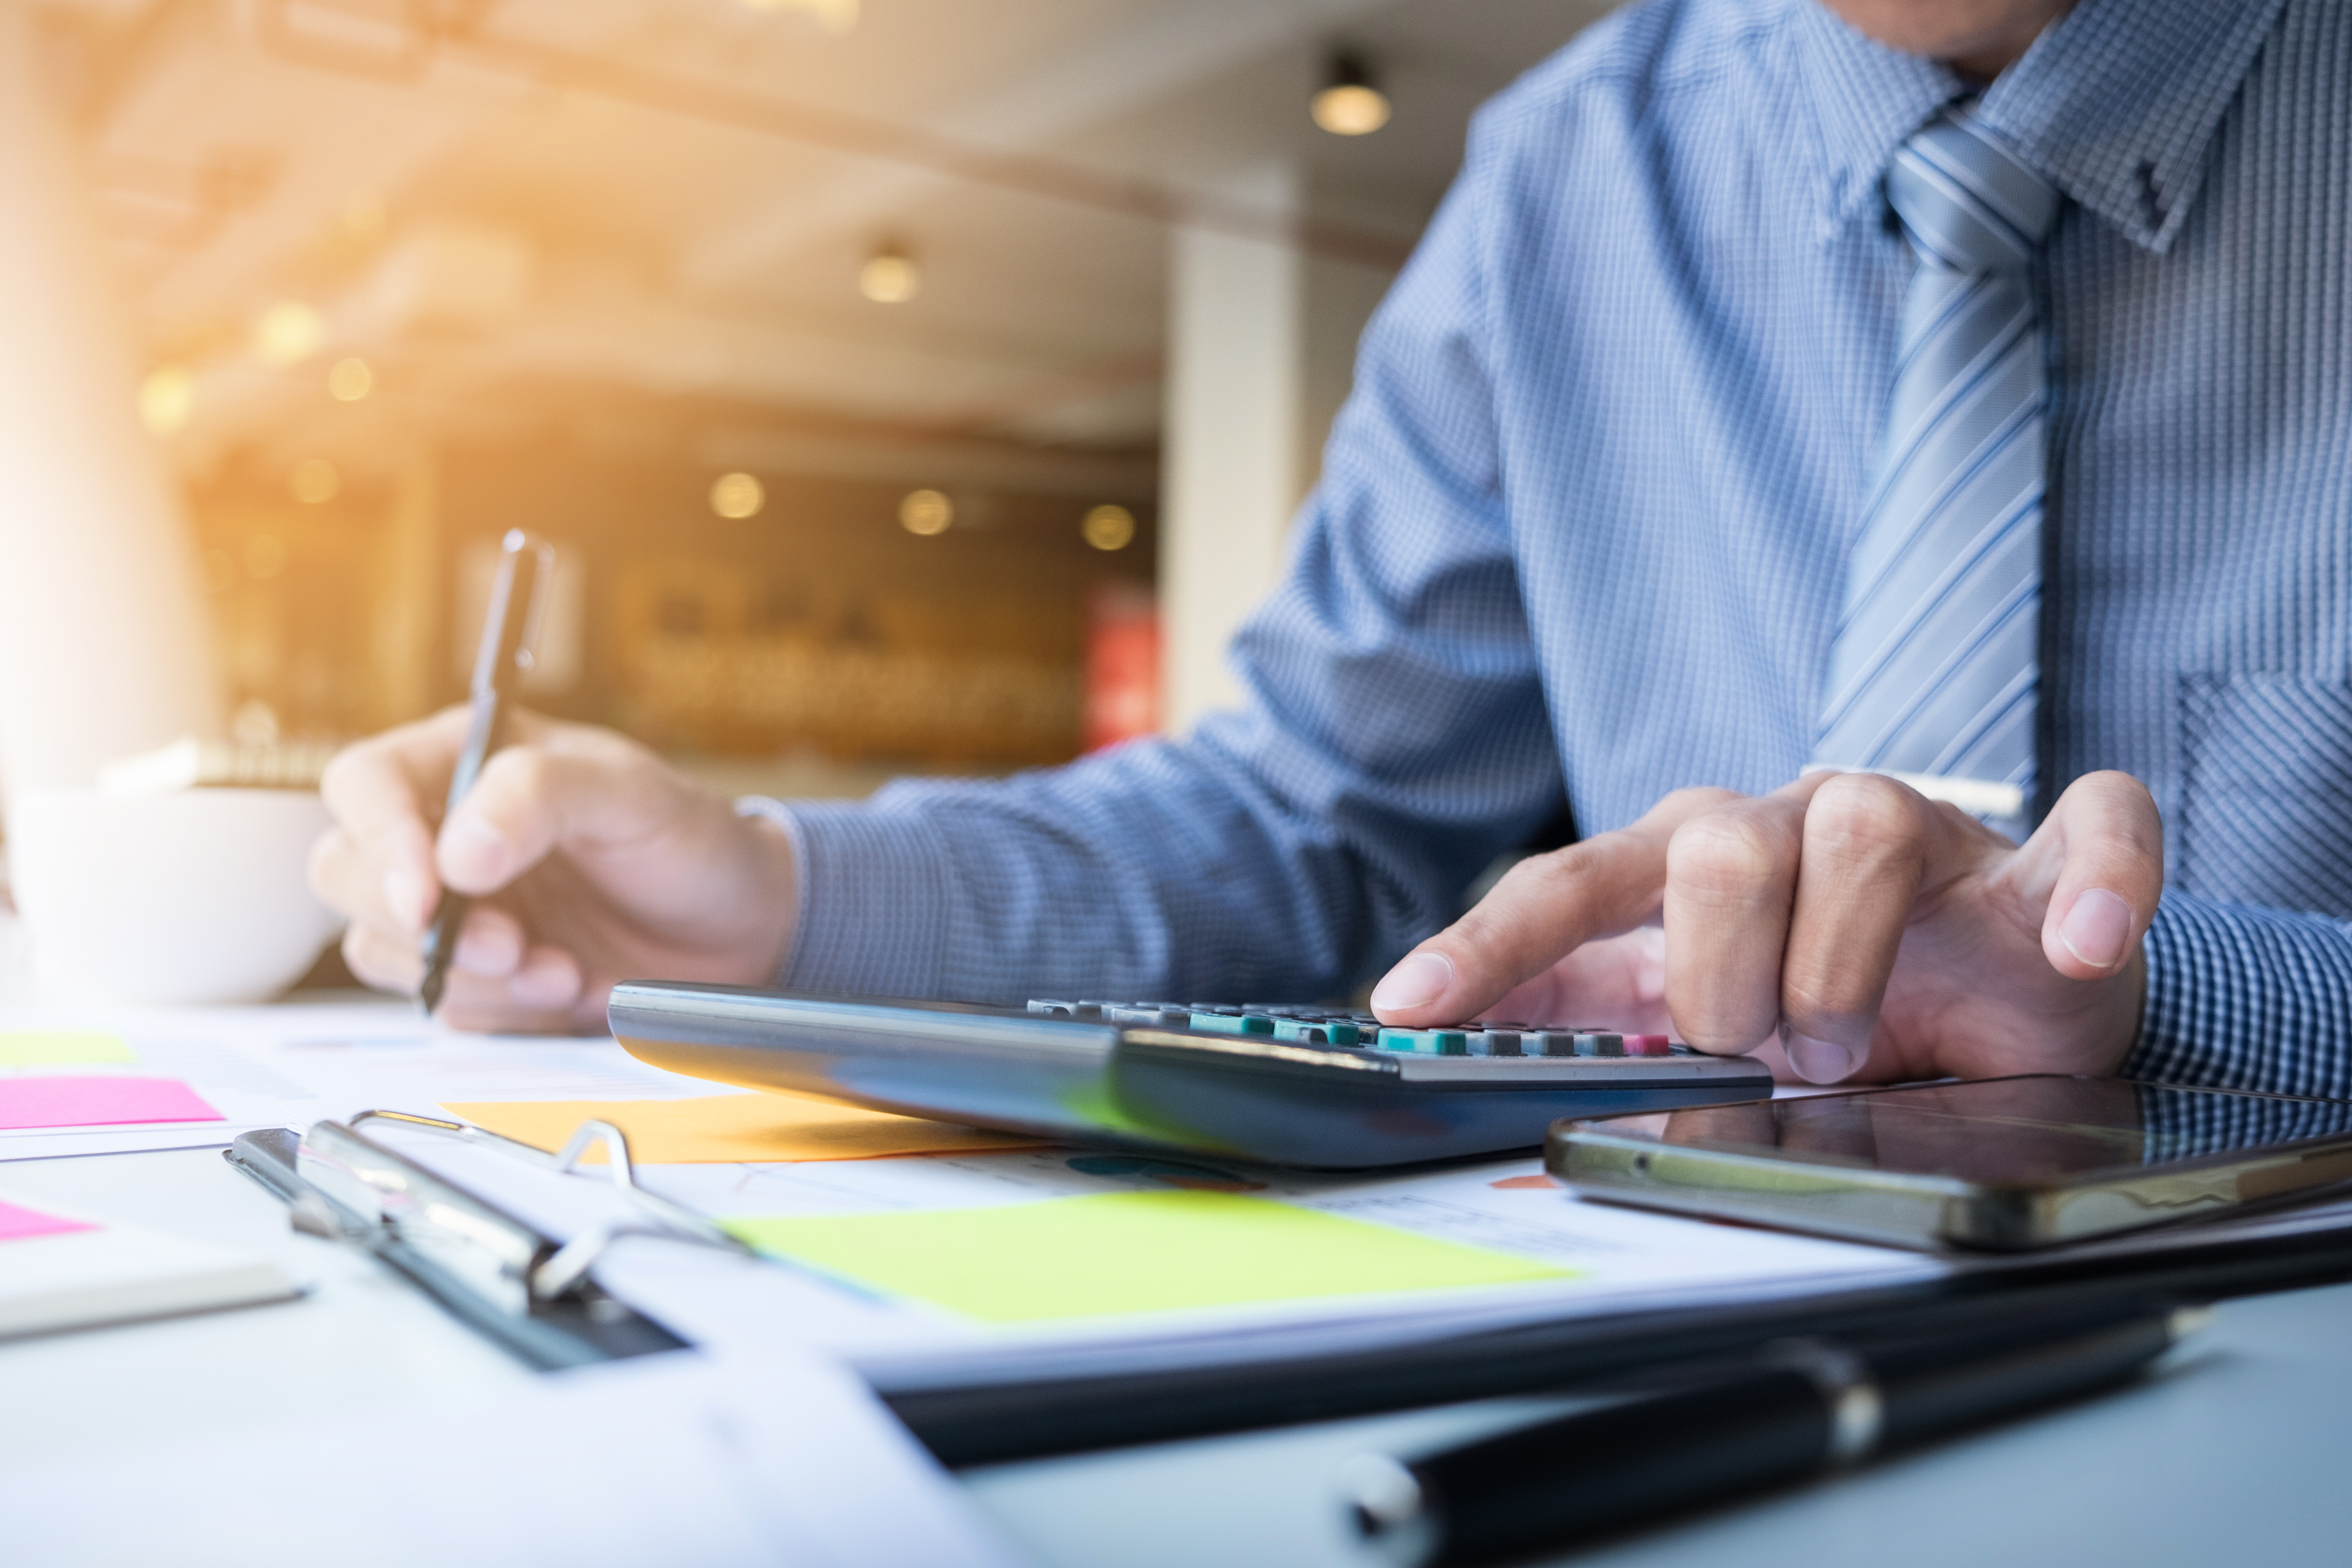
(909, 384)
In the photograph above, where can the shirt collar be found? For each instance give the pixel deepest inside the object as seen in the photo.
(2117, 104)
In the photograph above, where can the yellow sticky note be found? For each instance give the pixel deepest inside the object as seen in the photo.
(1128, 1252)
(721, 1129)
(44, 1047)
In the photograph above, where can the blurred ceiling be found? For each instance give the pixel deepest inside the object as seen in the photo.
(640, 223)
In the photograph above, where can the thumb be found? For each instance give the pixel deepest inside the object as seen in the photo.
(1544, 907)
(550, 788)
(2099, 860)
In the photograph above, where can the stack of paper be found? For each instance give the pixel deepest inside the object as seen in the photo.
(670, 1459)
(61, 1270)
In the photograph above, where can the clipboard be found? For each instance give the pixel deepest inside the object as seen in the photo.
(533, 1295)
(502, 1276)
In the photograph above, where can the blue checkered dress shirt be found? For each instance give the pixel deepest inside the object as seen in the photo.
(1582, 530)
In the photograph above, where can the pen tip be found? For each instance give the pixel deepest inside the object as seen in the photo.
(2186, 1321)
(428, 995)
(1391, 1512)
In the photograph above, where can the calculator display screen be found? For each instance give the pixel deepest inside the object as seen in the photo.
(2035, 1130)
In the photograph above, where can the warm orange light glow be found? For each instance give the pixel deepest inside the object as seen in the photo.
(1351, 109)
(349, 380)
(1109, 528)
(255, 722)
(314, 483)
(889, 277)
(363, 219)
(166, 398)
(265, 556)
(836, 17)
(925, 512)
(288, 333)
(737, 496)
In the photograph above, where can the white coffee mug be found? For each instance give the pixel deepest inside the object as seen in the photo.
(198, 895)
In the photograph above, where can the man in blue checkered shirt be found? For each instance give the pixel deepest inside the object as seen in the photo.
(1754, 336)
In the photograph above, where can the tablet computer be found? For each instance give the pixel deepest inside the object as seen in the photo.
(2002, 1164)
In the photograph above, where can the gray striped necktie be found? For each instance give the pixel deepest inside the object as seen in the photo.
(1935, 667)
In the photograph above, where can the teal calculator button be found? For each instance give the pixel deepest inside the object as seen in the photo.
(1426, 1042)
(1313, 1033)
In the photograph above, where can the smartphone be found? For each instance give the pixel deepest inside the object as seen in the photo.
(2002, 1164)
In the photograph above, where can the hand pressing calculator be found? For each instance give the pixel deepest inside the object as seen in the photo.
(1291, 1086)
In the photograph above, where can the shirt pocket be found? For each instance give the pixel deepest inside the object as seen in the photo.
(2267, 791)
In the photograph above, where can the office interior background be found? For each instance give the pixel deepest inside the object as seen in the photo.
(908, 384)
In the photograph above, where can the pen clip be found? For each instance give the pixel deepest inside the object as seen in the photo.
(509, 632)
(542, 593)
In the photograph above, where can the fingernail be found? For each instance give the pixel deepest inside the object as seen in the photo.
(406, 895)
(2097, 928)
(474, 844)
(1416, 982)
(542, 985)
(1821, 1062)
(493, 955)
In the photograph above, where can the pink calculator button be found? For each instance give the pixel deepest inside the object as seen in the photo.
(1648, 1045)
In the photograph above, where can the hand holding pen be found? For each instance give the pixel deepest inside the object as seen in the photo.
(580, 859)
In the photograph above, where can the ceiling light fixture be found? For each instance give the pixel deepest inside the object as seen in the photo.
(314, 483)
(737, 496)
(288, 333)
(1352, 102)
(925, 512)
(890, 275)
(1109, 528)
(349, 380)
(166, 398)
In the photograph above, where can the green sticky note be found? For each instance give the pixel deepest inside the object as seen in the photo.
(43, 1048)
(1128, 1252)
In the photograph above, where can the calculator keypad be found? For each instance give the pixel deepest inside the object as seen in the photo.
(1361, 1031)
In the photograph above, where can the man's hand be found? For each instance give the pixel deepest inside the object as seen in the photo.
(1864, 931)
(590, 860)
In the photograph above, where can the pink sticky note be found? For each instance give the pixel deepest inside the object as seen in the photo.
(99, 1101)
(17, 1225)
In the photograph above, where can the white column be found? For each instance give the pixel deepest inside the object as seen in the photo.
(1231, 441)
(1262, 346)
(104, 642)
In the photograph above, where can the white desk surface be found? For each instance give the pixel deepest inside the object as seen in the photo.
(2234, 1455)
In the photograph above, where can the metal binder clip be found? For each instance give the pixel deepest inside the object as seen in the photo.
(496, 1271)
(571, 1262)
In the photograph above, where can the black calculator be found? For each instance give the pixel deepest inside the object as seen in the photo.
(1283, 1084)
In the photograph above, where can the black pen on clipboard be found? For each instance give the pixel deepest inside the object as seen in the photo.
(509, 627)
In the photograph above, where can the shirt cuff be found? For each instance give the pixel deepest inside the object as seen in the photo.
(2245, 998)
(873, 898)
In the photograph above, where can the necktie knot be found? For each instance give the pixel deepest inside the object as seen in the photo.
(1968, 202)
